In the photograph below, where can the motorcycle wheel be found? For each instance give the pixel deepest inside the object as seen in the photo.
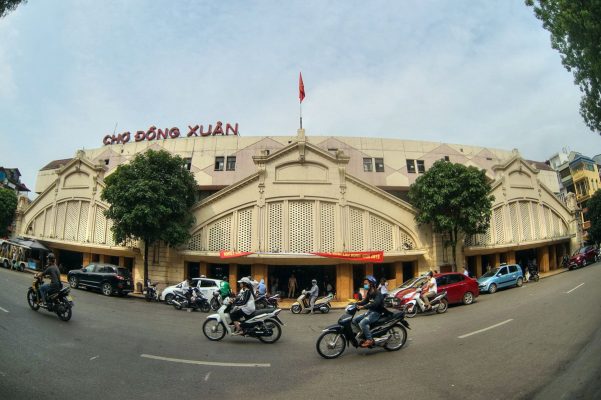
(398, 338)
(325, 309)
(214, 304)
(64, 311)
(32, 299)
(536, 278)
(442, 308)
(296, 309)
(169, 298)
(205, 307)
(213, 329)
(275, 328)
(148, 297)
(330, 345)
(177, 306)
(411, 311)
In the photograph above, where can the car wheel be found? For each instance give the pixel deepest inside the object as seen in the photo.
(6, 264)
(107, 289)
(492, 288)
(73, 282)
(520, 282)
(169, 298)
(468, 298)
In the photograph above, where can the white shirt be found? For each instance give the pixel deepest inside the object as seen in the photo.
(383, 288)
(466, 272)
(433, 288)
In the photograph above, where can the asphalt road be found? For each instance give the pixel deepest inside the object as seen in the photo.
(545, 342)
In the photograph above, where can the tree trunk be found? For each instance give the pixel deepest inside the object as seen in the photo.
(146, 244)
(454, 250)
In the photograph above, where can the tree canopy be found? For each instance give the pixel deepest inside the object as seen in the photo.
(454, 199)
(575, 28)
(7, 6)
(594, 216)
(8, 206)
(150, 199)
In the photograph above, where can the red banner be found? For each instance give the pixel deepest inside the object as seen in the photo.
(367, 256)
(233, 254)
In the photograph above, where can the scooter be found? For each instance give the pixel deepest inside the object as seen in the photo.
(59, 302)
(413, 304)
(389, 332)
(264, 324)
(151, 293)
(265, 302)
(322, 304)
(193, 300)
(531, 275)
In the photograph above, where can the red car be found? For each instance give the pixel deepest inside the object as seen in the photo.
(460, 288)
(583, 256)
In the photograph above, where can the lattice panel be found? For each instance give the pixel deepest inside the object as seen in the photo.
(548, 222)
(499, 224)
(100, 227)
(38, 229)
(275, 227)
(381, 234)
(245, 229)
(71, 222)
(220, 234)
(356, 221)
(556, 232)
(328, 239)
(48, 221)
(60, 220)
(195, 242)
(536, 221)
(513, 217)
(525, 219)
(300, 217)
(83, 222)
(487, 237)
(405, 241)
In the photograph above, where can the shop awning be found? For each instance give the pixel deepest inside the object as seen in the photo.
(28, 243)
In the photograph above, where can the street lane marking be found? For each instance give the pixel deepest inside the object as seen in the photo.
(3, 309)
(217, 364)
(207, 376)
(570, 291)
(485, 329)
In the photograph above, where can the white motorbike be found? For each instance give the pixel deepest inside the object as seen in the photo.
(413, 304)
(263, 324)
(322, 304)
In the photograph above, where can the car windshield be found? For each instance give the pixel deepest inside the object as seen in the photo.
(409, 283)
(123, 272)
(490, 273)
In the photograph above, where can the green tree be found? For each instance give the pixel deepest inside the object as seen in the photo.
(575, 28)
(454, 199)
(150, 199)
(7, 6)
(594, 216)
(8, 206)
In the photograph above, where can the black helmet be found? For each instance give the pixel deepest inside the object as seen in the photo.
(50, 257)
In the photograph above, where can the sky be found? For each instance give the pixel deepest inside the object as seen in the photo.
(465, 72)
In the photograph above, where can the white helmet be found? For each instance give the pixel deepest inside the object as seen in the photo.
(245, 280)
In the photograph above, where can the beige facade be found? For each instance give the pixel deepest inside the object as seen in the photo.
(287, 197)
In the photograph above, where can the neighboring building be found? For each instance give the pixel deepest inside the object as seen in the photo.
(10, 178)
(585, 176)
(272, 202)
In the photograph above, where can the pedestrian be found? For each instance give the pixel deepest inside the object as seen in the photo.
(275, 282)
(291, 286)
(262, 288)
(329, 288)
(383, 286)
(465, 271)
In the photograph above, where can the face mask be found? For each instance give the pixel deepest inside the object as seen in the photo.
(366, 287)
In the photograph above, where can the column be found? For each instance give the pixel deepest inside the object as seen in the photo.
(233, 278)
(511, 257)
(87, 258)
(398, 275)
(479, 267)
(258, 272)
(344, 282)
(552, 257)
(542, 258)
(203, 270)
(496, 260)
(369, 269)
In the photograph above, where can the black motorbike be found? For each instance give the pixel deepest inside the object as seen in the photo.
(59, 302)
(151, 293)
(389, 332)
(190, 298)
(533, 274)
(263, 301)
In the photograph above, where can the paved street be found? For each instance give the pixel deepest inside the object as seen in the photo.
(543, 336)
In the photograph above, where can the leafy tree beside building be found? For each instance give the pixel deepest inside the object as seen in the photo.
(454, 199)
(8, 206)
(594, 216)
(150, 199)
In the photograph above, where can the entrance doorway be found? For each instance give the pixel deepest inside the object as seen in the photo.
(243, 270)
(304, 274)
(219, 271)
(193, 270)
(70, 260)
(408, 271)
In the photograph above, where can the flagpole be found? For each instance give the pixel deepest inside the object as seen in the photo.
(301, 114)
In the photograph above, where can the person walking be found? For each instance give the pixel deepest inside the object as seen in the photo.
(291, 286)
(383, 286)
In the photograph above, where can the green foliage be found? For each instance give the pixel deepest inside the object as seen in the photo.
(454, 199)
(594, 215)
(8, 206)
(150, 199)
(575, 28)
(7, 6)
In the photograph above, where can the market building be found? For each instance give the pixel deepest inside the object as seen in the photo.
(331, 208)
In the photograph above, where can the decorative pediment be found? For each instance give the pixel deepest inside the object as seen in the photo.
(76, 180)
(308, 172)
(520, 179)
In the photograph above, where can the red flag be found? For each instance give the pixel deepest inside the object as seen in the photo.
(301, 87)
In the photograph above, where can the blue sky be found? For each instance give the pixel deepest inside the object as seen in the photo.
(468, 72)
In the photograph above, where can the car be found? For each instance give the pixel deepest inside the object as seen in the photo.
(505, 275)
(583, 256)
(207, 287)
(108, 278)
(459, 288)
(408, 284)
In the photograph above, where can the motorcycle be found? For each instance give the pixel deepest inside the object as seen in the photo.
(151, 293)
(263, 324)
(191, 299)
(267, 302)
(216, 300)
(389, 332)
(59, 302)
(412, 303)
(322, 304)
(531, 275)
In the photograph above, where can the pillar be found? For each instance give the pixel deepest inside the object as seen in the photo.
(496, 260)
(258, 272)
(121, 261)
(479, 265)
(552, 257)
(203, 269)
(511, 257)
(344, 282)
(233, 278)
(398, 275)
(369, 269)
(542, 258)
(87, 258)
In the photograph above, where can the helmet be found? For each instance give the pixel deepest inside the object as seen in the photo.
(50, 257)
(314, 281)
(371, 279)
(246, 281)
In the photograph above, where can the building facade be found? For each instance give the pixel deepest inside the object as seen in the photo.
(267, 205)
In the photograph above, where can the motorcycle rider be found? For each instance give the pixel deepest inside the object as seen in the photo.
(224, 289)
(374, 303)
(245, 302)
(313, 293)
(429, 290)
(55, 277)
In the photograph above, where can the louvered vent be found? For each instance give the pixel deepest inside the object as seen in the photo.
(301, 226)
